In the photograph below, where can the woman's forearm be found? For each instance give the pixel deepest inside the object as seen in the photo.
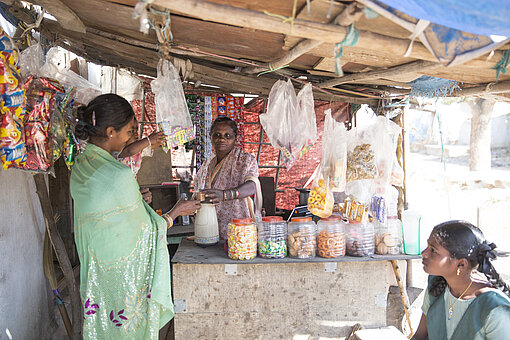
(134, 148)
(246, 189)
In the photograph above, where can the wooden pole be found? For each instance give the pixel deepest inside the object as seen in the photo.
(60, 252)
(415, 66)
(64, 15)
(403, 293)
(490, 88)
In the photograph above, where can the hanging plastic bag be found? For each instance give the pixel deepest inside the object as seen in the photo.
(12, 106)
(321, 200)
(306, 121)
(397, 173)
(334, 152)
(289, 123)
(385, 137)
(171, 109)
(361, 162)
(31, 60)
(53, 69)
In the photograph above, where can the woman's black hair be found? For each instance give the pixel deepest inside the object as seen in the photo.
(465, 241)
(102, 112)
(227, 120)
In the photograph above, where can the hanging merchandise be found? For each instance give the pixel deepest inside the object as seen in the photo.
(31, 60)
(321, 200)
(290, 123)
(171, 110)
(12, 106)
(334, 152)
(41, 98)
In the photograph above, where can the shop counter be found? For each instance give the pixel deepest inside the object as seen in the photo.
(219, 298)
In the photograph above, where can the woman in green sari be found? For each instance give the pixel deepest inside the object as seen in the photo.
(124, 264)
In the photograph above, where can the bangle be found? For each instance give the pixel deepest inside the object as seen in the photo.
(236, 194)
(149, 140)
(169, 221)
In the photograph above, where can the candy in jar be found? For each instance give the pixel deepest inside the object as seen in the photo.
(330, 237)
(301, 238)
(272, 237)
(242, 239)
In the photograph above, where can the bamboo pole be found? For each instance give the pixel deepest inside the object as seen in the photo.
(60, 252)
(403, 294)
(415, 66)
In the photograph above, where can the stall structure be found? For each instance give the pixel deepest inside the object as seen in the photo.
(354, 52)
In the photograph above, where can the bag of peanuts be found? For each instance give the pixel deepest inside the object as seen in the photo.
(321, 200)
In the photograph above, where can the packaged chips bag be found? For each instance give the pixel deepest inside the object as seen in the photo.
(320, 200)
(12, 106)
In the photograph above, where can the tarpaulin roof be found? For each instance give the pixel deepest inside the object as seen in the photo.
(483, 17)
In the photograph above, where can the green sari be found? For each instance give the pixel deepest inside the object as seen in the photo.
(121, 242)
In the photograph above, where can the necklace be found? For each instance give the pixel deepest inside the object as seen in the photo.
(450, 311)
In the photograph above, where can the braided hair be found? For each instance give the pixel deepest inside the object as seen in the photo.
(106, 110)
(465, 241)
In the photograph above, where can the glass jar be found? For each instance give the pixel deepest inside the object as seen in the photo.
(331, 237)
(301, 238)
(360, 239)
(242, 239)
(272, 237)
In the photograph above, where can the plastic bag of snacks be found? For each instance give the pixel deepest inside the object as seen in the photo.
(12, 106)
(41, 94)
(242, 239)
(321, 200)
(290, 120)
(385, 137)
(171, 109)
(334, 152)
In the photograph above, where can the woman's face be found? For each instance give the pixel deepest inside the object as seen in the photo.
(437, 260)
(125, 135)
(223, 138)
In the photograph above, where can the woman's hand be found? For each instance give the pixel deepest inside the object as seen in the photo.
(146, 195)
(184, 207)
(214, 195)
(157, 139)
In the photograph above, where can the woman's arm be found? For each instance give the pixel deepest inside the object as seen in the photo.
(421, 333)
(244, 190)
(155, 139)
(181, 208)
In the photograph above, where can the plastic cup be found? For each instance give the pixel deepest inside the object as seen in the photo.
(411, 225)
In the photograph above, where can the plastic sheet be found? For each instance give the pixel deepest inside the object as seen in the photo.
(334, 152)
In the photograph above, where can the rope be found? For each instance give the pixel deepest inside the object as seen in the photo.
(271, 69)
(161, 22)
(351, 39)
(284, 18)
(502, 65)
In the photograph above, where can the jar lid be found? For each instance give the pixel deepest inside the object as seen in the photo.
(272, 218)
(331, 218)
(301, 219)
(242, 220)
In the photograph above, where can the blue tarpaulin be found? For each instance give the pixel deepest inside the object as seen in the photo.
(482, 17)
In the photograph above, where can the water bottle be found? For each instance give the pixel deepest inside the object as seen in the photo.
(185, 218)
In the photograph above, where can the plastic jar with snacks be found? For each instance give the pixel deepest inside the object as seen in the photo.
(272, 237)
(331, 237)
(387, 238)
(301, 238)
(360, 238)
(242, 239)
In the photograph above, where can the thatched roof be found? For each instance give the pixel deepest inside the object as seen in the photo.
(252, 31)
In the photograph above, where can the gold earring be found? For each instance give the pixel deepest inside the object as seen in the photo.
(458, 271)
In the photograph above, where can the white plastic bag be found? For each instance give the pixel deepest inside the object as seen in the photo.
(31, 60)
(290, 120)
(171, 109)
(385, 135)
(334, 152)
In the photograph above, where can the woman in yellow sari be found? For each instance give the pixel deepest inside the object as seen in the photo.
(229, 177)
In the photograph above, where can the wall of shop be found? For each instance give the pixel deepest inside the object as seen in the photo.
(24, 290)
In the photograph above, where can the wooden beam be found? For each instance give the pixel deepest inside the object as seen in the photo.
(490, 88)
(65, 16)
(349, 15)
(415, 66)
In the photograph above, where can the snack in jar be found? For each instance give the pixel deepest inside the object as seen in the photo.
(272, 237)
(301, 238)
(359, 239)
(242, 239)
(331, 237)
(387, 237)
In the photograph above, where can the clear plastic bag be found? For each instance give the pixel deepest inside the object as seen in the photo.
(31, 60)
(321, 200)
(334, 152)
(171, 109)
(361, 161)
(290, 120)
(385, 137)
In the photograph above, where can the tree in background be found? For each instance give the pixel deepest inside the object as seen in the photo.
(480, 139)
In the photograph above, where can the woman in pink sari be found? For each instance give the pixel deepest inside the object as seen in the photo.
(229, 177)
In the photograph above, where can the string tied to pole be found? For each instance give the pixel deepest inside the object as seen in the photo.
(351, 39)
